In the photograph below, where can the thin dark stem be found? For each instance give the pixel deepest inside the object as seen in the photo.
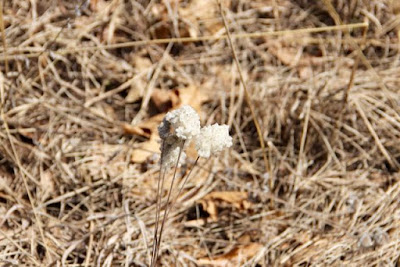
(3, 37)
(183, 185)
(160, 186)
(168, 197)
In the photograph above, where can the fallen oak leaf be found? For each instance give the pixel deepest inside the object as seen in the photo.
(237, 199)
(235, 257)
(204, 17)
(164, 100)
(213, 200)
(294, 57)
(146, 150)
(146, 128)
(135, 130)
(193, 96)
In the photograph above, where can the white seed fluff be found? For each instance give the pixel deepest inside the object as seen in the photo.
(183, 123)
(170, 151)
(171, 157)
(164, 129)
(212, 139)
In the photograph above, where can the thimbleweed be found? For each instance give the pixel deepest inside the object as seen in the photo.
(177, 130)
(212, 139)
(184, 123)
(171, 147)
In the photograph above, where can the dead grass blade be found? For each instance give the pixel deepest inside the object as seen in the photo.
(247, 94)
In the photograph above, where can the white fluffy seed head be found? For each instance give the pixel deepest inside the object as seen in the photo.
(212, 139)
(170, 152)
(183, 122)
(176, 131)
(164, 129)
(171, 158)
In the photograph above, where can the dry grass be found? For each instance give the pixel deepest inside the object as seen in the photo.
(327, 100)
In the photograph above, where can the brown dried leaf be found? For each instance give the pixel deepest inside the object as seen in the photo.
(211, 209)
(291, 56)
(237, 199)
(213, 200)
(195, 223)
(136, 91)
(193, 96)
(27, 132)
(205, 16)
(147, 149)
(164, 100)
(146, 129)
(235, 257)
(135, 130)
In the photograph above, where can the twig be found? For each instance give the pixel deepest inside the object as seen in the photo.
(197, 39)
(166, 208)
(3, 36)
(25, 182)
(247, 95)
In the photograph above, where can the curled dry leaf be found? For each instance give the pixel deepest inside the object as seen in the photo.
(146, 129)
(206, 16)
(193, 96)
(215, 200)
(164, 100)
(146, 150)
(294, 57)
(236, 257)
(27, 132)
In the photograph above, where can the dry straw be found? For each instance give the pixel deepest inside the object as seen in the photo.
(323, 82)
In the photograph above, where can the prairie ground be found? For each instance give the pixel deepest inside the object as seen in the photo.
(309, 89)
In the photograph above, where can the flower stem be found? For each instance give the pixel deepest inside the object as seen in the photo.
(158, 243)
